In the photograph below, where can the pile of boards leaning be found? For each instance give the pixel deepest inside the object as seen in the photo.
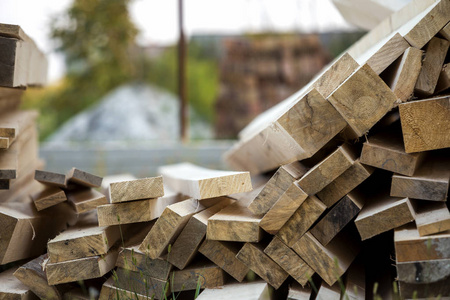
(341, 194)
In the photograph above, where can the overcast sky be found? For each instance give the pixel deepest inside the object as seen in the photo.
(157, 20)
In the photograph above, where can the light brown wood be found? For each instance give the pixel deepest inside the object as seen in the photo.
(301, 220)
(201, 183)
(431, 217)
(12, 289)
(137, 189)
(425, 124)
(254, 257)
(4, 143)
(435, 53)
(187, 243)
(223, 254)
(287, 259)
(33, 276)
(109, 291)
(276, 186)
(337, 218)
(83, 178)
(330, 261)
(248, 290)
(84, 200)
(140, 283)
(444, 79)
(327, 170)
(297, 292)
(202, 273)
(283, 209)
(47, 196)
(327, 292)
(345, 183)
(50, 178)
(445, 32)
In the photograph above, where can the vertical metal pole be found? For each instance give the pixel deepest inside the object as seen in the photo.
(184, 113)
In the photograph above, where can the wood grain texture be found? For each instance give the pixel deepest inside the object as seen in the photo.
(50, 178)
(276, 186)
(13, 289)
(142, 284)
(431, 217)
(382, 214)
(83, 178)
(297, 292)
(427, 271)
(444, 79)
(203, 273)
(84, 200)
(47, 196)
(337, 218)
(435, 53)
(345, 183)
(254, 257)
(330, 261)
(327, 292)
(187, 243)
(223, 254)
(201, 183)
(327, 170)
(33, 276)
(247, 290)
(425, 124)
(287, 259)
(301, 220)
(363, 99)
(445, 32)
(137, 189)
(283, 209)
(109, 291)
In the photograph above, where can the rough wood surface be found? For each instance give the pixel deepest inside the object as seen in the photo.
(83, 178)
(109, 291)
(435, 53)
(140, 283)
(301, 220)
(327, 170)
(444, 79)
(50, 178)
(247, 290)
(431, 217)
(283, 209)
(276, 186)
(203, 273)
(84, 200)
(47, 196)
(330, 261)
(445, 32)
(254, 257)
(425, 124)
(223, 254)
(363, 99)
(13, 289)
(137, 189)
(287, 259)
(201, 183)
(427, 271)
(297, 292)
(337, 218)
(410, 246)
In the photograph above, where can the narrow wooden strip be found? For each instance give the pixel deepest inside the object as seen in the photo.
(109, 291)
(140, 283)
(444, 79)
(47, 196)
(203, 274)
(83, 178)
(427, 271)
(137, 189)
(445, 32)
(50, 178)
(247, 290)
(84, 200)
(4, 143)
(431, 217)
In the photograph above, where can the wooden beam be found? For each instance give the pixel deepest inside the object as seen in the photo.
(445, 32)
(12, 288)
(47, 196)
(305, 216)
(254, 257)
(201, 183)
(435, 53)
(287, 259)
(83, 178)
(345, 183)
(84, 200)
(425, 124)
(137, 189)
(276, 186)
(431, 217)
(423, 272)
(109, 291)
(140, 283)
(202, 273)
(444, 79)
(248, 290)
(297, 292)
(50, 178)
(187, 243)
(224, 254)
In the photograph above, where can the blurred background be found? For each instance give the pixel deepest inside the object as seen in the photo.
(112, 103)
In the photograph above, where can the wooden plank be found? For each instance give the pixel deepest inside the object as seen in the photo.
(327, 170)
(109, 291)
(430, 182)
(431, 217)
(204, 274)
(47, 196)
(12, 288)
(386, 151)
(137, 189)
(187, 243)
(247, 290)
(410, 246)
(337, 218)
(140, 283)
(50, 178)
(445, 32)
(83, 178)
(283, 209)
(435, 53)
(170, 224)
(330, 261)
(363, 99)
(434, 290)
(297, 292)
(254, 257)
(345, 183)
(444, 79)
(33, 276)
(84, 200)
(425, 124)
(327, 292)
(383, 213)
(424, 272)
(276, 186)
(234, 223)
(135, 211)
(4, 143)
(14, 123)
(305, 216)
(287, 259)
(201, 183)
